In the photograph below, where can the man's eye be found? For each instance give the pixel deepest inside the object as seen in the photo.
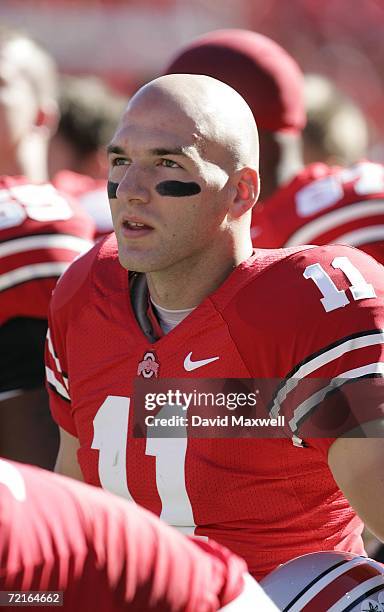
(168, 163)
(119, 161)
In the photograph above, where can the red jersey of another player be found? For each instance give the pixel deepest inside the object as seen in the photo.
(284, 316)
(324, 205)
(105, 553)
(41, 232)
(92, 195)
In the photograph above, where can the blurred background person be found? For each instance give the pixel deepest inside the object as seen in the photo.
(28, 107)
(336, 131)
(105, 553)
(41, 232)
(89, 111)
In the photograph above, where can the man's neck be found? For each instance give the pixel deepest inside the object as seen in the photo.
(33, 158)
(190, 281)
(29, 160)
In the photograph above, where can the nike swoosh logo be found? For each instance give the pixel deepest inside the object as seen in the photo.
(190, 365)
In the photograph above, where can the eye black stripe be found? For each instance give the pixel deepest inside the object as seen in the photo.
(177, 189)
(112, 189)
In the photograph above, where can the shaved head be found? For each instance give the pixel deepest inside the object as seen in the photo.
(218, 116)
(183, 179)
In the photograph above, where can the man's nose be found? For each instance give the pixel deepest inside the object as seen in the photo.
(133, 186)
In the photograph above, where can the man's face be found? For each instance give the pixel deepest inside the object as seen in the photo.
(18, 103)
(168, 195)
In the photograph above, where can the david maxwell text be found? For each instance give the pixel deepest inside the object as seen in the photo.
(219, 421)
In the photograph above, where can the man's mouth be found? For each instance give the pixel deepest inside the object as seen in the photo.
(134, 225)
(135, 228)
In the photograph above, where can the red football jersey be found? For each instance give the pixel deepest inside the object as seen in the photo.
(92, 195)
(41, 232)
(104, 553)
(326, 205)
(284, 315)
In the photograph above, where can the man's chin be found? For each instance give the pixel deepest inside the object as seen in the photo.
(134, 260)
(136, 263)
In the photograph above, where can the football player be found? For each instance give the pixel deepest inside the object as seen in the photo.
(41, 232)
(314, 204)
(178, 293)
(98, 552)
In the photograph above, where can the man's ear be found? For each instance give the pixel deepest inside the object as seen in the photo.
(247, 192)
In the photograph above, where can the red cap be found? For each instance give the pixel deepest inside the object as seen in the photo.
(265, 75)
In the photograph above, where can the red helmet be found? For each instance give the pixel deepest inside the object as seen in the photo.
(258, 68)
(327, 582)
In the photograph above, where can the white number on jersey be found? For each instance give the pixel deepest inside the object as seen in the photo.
(170, 474)
(333, 297)
(110, 438)
(110, 427)
(38, 202)
(327, 191)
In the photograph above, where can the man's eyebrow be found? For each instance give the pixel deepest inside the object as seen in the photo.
(156, 152)
(175, 151)
(115, 149)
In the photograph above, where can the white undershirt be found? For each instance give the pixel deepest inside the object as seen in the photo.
(168, 319)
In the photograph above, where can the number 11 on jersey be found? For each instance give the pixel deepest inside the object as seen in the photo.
(110, 438)
(333, 297)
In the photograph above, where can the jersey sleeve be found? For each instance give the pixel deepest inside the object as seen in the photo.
(70, 295)
(103, 552)
(334, 385)
(57, 378)
(41, 232)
